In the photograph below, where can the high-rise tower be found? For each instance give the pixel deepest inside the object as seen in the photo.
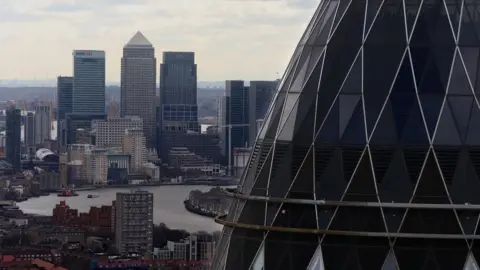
(42, 123)
(178, 98)
(369, 157)
(13, 137)
(138, 84)
(88, 82)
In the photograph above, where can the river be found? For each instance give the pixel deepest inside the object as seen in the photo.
(168, 205)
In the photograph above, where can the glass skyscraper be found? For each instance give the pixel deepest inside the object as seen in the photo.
(88, 82)
(13, 137)
(64, 96)
(369, 157)
(178, 99)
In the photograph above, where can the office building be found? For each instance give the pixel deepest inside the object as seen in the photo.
(234, 125)
(88, 82)
(29, 133)
(110, 132)
(369, 157)
(178, 98)
(64, 97)
(134, 145)
(259, 98)
(74, 122)
(134, 222)
(138, 84)
(42, 123)
(64, 107)
(13, 137)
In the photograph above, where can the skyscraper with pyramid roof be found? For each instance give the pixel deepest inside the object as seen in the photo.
(369, 157)
(138, 84)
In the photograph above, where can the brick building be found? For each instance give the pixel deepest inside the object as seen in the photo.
(97, 217)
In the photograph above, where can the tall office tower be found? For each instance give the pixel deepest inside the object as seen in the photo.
(178, 98)
(42, 123)
(88, 82)
(259, 99)
(64, 97)
(138, 84)
(64, 107)
(29, 133)
(13, 137)
(134, 222)
(110, 132)
(234, 123)
(369, 158)
(134, 145)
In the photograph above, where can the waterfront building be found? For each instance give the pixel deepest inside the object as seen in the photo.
(95, 162)
(138, 84)
(134, 145)
(88, 82)
(118, 160)
(134, 222)
(110, 132)
(368, 158)
(42, 123)
(13, 137)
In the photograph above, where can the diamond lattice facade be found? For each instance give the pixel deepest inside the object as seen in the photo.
(369, 157)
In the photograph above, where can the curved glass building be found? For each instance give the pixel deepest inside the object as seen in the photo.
(369, 157)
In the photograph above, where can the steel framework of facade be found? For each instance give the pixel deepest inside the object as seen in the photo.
(369, 157)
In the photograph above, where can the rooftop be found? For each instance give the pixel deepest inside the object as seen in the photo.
(138, 40)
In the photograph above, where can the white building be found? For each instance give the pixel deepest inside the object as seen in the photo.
(134, 145)
(110, 132)
(152, 171)
(95, 162)
(42, 123)
(240, 160)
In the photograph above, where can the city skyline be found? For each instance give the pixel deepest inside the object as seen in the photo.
(264, 30)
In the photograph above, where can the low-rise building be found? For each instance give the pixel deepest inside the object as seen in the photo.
(152, 171)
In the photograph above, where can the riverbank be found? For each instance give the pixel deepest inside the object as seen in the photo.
(157, 184)
(199, 211)
(167, 200)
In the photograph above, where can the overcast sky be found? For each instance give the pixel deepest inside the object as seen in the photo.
(232, 39)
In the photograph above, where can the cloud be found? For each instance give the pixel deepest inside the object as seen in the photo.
(231, 38)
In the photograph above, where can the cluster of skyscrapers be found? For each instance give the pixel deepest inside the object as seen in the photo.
(170, 119)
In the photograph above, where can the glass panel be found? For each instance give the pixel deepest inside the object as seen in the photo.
(259, 262)
(348, 103)
(317, 260)
(459, 84)
(471, 263)
(289, 115)
(390, 262)
(470, 58)
(446, 132)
